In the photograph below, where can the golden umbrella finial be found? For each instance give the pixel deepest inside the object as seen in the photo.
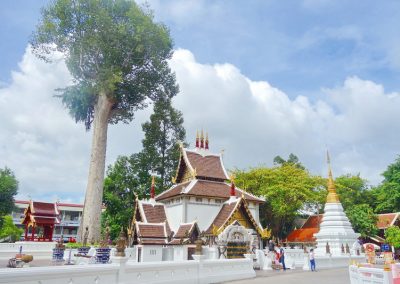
(332, 195)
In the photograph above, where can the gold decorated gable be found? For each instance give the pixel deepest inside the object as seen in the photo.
(241, 218)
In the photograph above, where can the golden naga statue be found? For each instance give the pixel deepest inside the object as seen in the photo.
(215, 230)
(266, 233)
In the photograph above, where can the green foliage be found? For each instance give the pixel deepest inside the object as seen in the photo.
(292, 159)
(163, 133)
(128, 177)
(392, 235)
(8, 189)
(363, 219)
(388, 193)
(287, 190)
(110, 47)
(353, 190)
(9, 230)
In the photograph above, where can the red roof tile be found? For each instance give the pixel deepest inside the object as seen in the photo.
(151, 230)
(223, 215)
(302, 235)
(386, 220)
(207, 166)
(312, 222)
(184, 230)
(206, 188)
(154, 213)
(219, 189)
(153, 242)
(173, 191)
(44, 208)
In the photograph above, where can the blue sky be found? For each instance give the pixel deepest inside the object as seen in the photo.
(275, 76)
(299, 46)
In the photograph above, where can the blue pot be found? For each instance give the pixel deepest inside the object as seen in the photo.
(83, 250)
(58, 254)
(103, 255)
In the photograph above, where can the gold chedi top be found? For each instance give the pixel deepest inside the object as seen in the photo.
(332, 197)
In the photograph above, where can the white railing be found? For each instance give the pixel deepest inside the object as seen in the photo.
(366, 275)
(124, 271)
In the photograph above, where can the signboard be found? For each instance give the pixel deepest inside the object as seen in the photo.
(385, 247)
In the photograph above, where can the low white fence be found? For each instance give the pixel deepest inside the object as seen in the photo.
(123, 271)
(39, 250)
(373, 275)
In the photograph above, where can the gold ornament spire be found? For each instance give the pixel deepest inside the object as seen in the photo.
(332, 195)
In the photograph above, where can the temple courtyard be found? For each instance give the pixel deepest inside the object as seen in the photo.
(328, 276)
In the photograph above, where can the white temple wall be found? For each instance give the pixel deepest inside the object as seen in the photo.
(204, 213)
(150, 253)
(254, 209)
(174, 215)
(180, 253)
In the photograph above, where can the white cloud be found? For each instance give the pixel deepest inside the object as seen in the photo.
(252, 120)
(255, 121)
(44, 146)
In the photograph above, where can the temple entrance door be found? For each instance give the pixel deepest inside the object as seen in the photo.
(139, 254)
(191, 252)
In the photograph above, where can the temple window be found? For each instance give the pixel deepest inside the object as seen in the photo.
(218, 201)
(198, 199)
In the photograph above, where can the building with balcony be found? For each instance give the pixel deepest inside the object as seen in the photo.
(70, 216)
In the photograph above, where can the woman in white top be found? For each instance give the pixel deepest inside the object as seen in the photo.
(312, 260)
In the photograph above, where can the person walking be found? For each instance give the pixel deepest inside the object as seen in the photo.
(312, 260)
(282, 256)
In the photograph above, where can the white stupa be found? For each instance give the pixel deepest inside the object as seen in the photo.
(335, 228)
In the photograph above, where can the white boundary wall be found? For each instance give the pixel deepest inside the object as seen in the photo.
(39, 250)
(122, 271)
(366, 275)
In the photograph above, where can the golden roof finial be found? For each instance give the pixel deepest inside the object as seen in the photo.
(152, 180)
(332, 195)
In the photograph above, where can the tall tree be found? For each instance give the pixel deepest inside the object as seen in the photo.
(162, 135)
(117, 56)
(388, 193)
(287, 189)
(8, 189)
(127, 178)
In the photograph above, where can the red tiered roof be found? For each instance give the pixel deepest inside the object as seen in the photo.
(386, 220)
(205, 188)
(306, 233)
(41, 213)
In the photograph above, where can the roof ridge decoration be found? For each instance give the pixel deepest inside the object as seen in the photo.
(187, 188)
(174, 186)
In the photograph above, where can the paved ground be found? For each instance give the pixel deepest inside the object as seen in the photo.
(326, 276)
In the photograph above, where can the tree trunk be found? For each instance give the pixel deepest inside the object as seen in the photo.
(91, 216)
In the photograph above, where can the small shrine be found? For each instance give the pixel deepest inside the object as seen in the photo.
(39, 220)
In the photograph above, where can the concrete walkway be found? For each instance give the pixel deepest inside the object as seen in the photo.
(325, 276)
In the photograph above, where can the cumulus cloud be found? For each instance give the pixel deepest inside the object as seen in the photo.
(252, 121)
(41, 143)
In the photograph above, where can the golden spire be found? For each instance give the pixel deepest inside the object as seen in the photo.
(332, 195)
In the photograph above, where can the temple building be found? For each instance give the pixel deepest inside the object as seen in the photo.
(204, 201)
(336, 232)
(39, 221)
